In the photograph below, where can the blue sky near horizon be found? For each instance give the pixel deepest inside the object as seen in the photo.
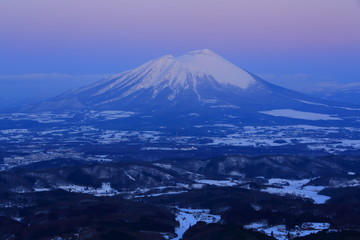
(51, 46)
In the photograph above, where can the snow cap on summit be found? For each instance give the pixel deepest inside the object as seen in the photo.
(187, 71)
(198, 63)
(201, 52)
(223, 71)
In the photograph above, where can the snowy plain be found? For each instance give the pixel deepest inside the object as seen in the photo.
(297, 188)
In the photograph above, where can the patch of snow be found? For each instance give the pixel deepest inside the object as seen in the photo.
(14, 131)
(159, 194)
(168, 149)
(105, 190)
(156, 191)
(225, 125)
(189, 217)
(111, 115)
(325, 105)
(351, 109)
(19, 219)
(165, 166)
(225, 106)
(256, 207)
(290, 113)
(312, 103)
(343, 184)
(42, 117)
(42, 189)
(220, 183)
(297, 188)
(281, 233)
(209, 100)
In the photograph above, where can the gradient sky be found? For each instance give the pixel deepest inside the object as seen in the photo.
(297, 44)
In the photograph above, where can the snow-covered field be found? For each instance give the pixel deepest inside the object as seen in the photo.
(43, 117)
(168, 149)
(290, 113)
(109, 115)
(342, 183)
(156, 191)
(105, 190)
(297, 188)
(316, 138)
(332, 140)
(220, 183)
(159, 194)
(189, 217)
(281, 233)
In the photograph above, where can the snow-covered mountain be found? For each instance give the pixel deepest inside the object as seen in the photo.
(201, 84)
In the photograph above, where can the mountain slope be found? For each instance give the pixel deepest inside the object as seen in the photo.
(350, 93)
(199, 82)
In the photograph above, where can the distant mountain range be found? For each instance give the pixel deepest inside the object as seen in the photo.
(199, 85)
(349, 93)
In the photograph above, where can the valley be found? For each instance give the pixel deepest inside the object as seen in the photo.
(273, 201)
(99, 136)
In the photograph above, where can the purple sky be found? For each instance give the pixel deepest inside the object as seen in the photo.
(290, 42)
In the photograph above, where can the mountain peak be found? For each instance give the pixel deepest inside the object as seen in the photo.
(168, 56)
(200, 82)
(209, 63)
(172, 76)
(175, 71)
(201, 52)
